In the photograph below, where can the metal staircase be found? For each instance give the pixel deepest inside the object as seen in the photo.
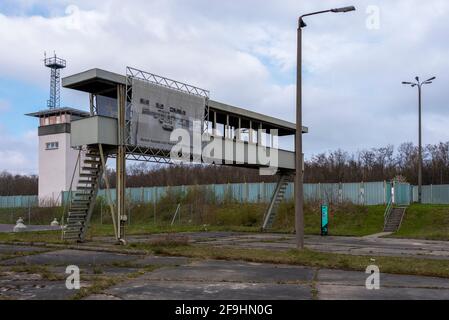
(83, 200)
(394, 219)
(276, 199)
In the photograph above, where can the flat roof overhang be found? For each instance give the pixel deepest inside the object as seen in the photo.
(102, 82)
(58, 111)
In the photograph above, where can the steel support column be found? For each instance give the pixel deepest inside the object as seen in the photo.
(299, 191)
(121, 164)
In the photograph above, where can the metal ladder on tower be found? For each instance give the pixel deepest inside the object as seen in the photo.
(83, 201)
(276, 199)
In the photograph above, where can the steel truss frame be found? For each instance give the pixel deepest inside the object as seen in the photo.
(141, 153)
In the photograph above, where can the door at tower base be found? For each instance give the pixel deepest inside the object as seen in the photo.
(157, 111)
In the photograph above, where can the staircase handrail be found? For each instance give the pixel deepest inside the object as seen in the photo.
(69, 200)
(388, 211)
(273, 198)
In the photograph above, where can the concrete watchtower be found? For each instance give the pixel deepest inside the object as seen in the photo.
(57, 159)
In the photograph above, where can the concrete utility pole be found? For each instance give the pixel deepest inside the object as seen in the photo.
(419, 85)
(299, 161)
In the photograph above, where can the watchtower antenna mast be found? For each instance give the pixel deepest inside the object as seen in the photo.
(55, 64)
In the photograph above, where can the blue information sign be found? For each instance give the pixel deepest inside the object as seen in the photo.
(324, 220)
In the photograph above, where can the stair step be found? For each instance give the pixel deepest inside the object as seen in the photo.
(73, 218)
(74, 228)
(84, 188)
(90, 169)
(78, 209)
(87, 181)
(92, 161)
(81, 201)
(72, 237)
(87, 175)
(92, 154)
(83, 196)
(74, 233)
(78, 212)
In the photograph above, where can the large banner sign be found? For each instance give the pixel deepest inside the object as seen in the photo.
(157, 111)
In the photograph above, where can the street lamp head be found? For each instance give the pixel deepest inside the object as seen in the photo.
(417, 79)
(344, 9)
(302, 24)
(405, 82)
(431, 79)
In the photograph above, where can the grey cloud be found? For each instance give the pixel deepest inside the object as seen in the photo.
(353, 97)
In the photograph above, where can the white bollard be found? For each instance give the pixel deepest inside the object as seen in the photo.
(20, 226)
(54, 223)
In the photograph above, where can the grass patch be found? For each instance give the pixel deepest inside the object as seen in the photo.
(37, 215)
(98, 285)
(41, 236)
(98, 230)
(423, 221)
(38, 269)
(344, 219)
(18, 254)
(394, 265)
(101, 283)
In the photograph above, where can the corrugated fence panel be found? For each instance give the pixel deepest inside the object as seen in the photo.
(311, 192)
(440, 194)
(351, 192)
(375, 193)
(415, 194)
(329, 192)
(253, 192)
(18, 201)
(289, 192)
(370, 193)
(402, 193)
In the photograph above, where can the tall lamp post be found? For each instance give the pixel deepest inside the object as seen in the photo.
(299, 190)
(419, 85)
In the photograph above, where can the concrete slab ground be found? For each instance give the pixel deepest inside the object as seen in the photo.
(196, 290)
(71, 257)
(33, 290)
(234, 271)
(373, 245)
(369, 246)
(9, 249)
(341, 292)
(40, 274)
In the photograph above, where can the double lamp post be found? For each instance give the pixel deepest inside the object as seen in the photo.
(419, 85)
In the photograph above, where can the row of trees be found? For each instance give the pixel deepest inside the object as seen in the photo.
(380, 164)
(11, 185)
(376, 164)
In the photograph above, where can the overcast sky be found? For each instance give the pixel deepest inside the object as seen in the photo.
(244, 52)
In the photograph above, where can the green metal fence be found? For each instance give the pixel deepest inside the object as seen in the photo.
(371, 193)
(433, 194)
(364, 193)
(18, 201)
